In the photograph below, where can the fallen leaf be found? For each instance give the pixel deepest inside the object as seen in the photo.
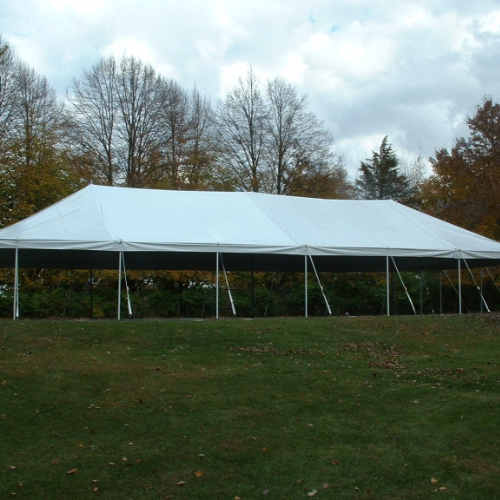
(54, 462)
(442, 488)
(198, 473)
(325, 486)
(265, 492)
(181, 483)
(335, 462)
(96, 489)
(13, 467)
(80, 445)
(264, 450)
(434, 480)
(73, 471)
(312, 493)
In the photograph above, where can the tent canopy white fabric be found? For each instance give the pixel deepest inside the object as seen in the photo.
(159, 229)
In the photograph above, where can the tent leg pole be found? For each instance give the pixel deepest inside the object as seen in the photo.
(91, 278)
(388, 285)
(119, 285)
(15, 313)
(306, 299)
(321, 287)
(459, 289)
(404, 286)
(440, 294)
(217, 286)
(479, 289)
(252, 291)
(421, 280)
(481, 292)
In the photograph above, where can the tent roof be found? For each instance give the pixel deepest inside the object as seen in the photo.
(184, 229)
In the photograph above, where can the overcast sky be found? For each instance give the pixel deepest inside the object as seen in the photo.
(412, 70)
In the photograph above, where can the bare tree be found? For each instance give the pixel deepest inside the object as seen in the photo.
(298, 145)
(199, 168)
(241, 120)
(8, 89)
(34, 171)
(139, 101)
(39, 116)
(175, 120)
(116, 109)
(93, 113)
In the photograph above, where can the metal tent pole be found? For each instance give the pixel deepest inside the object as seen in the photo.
(479, 289)
(320, 286)
(388, 285)
(119, 312)
(217, 286)
(481, 275)
(404, 286)
(129, 303)
(459, 288)
(15, 313)
(306, 299)
(440, 294)
(233, 307)
(455, 289)
(421, 280)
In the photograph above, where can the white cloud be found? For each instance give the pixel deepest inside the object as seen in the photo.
(132, 47)
(410, 70)
(82, 7)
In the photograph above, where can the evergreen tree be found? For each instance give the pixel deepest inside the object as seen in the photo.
(380, 177)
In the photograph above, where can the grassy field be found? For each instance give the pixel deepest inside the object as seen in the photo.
(340, 408)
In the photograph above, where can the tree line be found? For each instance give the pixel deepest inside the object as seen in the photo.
(121, 123)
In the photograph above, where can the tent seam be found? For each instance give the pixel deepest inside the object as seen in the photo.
(401, 212)
(275, 223)
(91, 189)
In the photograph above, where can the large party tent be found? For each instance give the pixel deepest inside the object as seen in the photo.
(102, 227)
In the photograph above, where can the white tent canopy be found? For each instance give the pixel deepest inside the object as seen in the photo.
(102, 227)
(159, 229)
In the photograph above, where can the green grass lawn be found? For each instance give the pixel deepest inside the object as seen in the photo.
(338, 408)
